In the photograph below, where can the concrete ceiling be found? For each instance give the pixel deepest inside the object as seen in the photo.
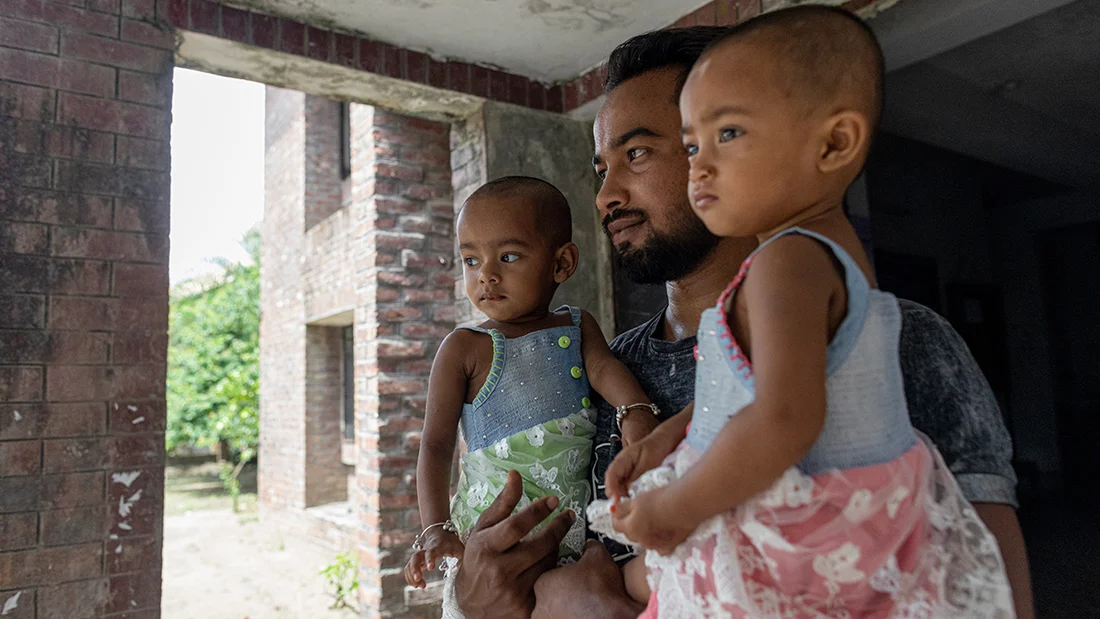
(549, 40)
(1026, 97)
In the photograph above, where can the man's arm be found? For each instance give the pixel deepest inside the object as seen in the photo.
(950, 401)
(591, 587)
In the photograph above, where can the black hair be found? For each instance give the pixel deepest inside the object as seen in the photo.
(552, 215)
(673, 47)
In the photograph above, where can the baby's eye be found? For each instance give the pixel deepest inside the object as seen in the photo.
(728, 134)
(691, 149)
(509, 257)
(470, 261)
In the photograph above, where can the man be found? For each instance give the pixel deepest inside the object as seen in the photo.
(643, 200)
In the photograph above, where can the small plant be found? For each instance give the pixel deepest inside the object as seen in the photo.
(343, 579)
(230, 475)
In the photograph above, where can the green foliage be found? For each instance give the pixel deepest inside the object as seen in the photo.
(342, 576)
(213, 361)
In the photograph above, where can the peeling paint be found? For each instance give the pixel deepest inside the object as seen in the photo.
(12, 603)
(125, 505)
(17, 416)
(118, 550)
(114, 536)
(125, 478)
(137, 420)
(125, 526)
(131, 408)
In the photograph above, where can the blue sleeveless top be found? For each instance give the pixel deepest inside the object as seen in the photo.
(866, 420)
(534, 378)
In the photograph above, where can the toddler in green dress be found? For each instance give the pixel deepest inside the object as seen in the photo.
(519, 383)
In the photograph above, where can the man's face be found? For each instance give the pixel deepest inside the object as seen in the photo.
(643, 199)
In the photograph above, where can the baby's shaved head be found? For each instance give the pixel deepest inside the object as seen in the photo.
(827, 55)
(552, 216)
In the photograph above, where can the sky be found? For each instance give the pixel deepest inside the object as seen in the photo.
(217, 169)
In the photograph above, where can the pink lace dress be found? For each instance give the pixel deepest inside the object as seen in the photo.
(870, 524)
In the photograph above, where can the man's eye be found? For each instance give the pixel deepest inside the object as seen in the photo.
(728, 134)
(634, 153)
(470, 262)
(509, 257)
(691, 149)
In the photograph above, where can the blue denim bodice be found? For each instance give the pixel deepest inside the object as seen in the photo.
(866, 420)
(534, 378)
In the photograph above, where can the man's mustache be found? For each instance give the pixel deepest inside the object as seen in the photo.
(618, 214)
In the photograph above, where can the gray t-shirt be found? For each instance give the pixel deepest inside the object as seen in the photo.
(948, 396)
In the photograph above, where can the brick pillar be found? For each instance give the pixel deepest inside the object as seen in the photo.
(403, 247)
(85, 91)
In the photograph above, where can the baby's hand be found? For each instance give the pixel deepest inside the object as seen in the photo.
(637, 458)
(636, 427)
(437, 545)
(650, 523)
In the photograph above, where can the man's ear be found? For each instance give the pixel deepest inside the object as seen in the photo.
(565, 262)
(845, 140)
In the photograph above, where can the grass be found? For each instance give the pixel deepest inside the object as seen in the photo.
(193, 485)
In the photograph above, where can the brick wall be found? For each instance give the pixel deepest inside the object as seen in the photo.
(326, 477)
(84, 125)
(323, 194)
(468, 172)
(403, 250)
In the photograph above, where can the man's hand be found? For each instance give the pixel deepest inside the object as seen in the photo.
(499, 568)
(591, 587)
(637, 426)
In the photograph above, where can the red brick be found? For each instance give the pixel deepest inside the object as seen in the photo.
(18, 531)
(140, 347)
(139, 9)
(393, 385)
(114, 116)
(134, 591)
(69, 563)
(19, 494)
(94, 314)
(147, 314)
(458, 76)
(536, 95)
(571, 94)
(28, 35)
(235, 24)
(64, 142)
(51, 208)
(83, 599)
(21, 238)
(144, 88)
(148, 34)
(145, 517)
(130, 416)
(78, 277)
(422, 331)
(133, 554)
(400, 172)
(437, 72)
(109, 245)
(74, 454)
(64, 527)
(416, 67)
(29, 421)
(23, 170)
(141, 216)
(204, 16)
(105, 6)
(318, 43)
(80, 19)
(22, 312)
(115, 53)
(72, 490)
(21, 457)
(498, 85)
(76, 347)
(292, 37)
(140, 382)
(82, 177)
(344, 48)
(141, 153)
(555, 99)
(265, 30)
(28, 102)
(77, 383)
(140, 280)
(517, 89)
(31, 68)
(20, 383)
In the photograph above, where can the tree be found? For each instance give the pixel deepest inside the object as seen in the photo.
(213, 360)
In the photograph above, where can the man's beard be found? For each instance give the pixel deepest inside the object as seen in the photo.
(665, 257)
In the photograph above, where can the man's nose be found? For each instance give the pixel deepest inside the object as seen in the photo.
(612, 195)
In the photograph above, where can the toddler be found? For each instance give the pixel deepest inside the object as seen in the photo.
(801, 489)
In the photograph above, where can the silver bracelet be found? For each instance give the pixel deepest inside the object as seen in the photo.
(620, 412)
(447, 526)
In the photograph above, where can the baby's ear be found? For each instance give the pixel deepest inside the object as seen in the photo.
(846, 138)
(565, 262)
